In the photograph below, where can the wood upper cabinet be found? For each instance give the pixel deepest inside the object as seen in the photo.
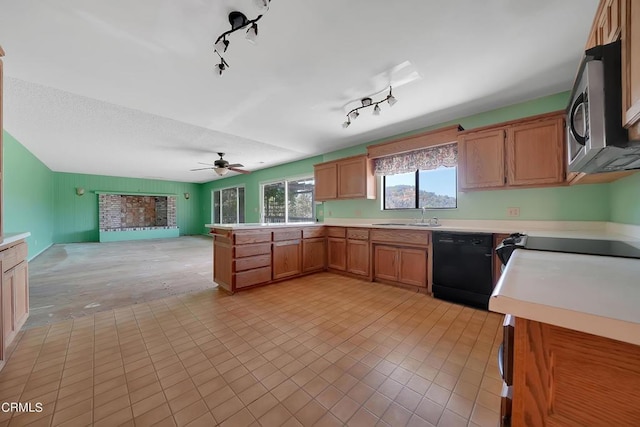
(528, 152)
(286, 259)
(481, 160)
(348, 178)
(535, 152)
(630, 16)
(326, 181)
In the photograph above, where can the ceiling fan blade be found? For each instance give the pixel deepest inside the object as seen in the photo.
(208, 164)
(239, 170)
(200, 169)
(235, 165)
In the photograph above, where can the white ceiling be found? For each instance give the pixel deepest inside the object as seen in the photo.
(127, 88)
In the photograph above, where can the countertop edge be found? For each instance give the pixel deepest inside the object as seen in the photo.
(13, 237)
(619, 330)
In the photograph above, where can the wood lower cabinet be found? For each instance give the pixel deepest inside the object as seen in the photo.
(337, 253)
(14, 293)
(402, 265)
(313, 254)
(358, 251)
(286, 259)
(564, 377)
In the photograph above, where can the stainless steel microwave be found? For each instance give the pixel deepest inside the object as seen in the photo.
(596, 140)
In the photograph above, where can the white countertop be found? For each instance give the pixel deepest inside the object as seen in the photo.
(593, 294)
(9, 238)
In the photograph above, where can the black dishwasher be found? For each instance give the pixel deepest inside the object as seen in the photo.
(462, 267)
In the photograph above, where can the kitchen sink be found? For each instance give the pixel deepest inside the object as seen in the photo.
(404, 224)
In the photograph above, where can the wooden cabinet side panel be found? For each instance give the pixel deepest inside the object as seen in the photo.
(313, 254)
(385, 262)
(337, 253)
(481, 160)
(358, 257)
(412, 268)
(631, 65)
(8, 312)
(21, 290)
(535, 153)
(566, 377)
(222, 264)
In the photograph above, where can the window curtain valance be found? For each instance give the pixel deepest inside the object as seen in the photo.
(425, 159)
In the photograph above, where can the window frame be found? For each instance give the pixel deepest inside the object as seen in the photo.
(417, 195)
(213, 203)
(286, 180)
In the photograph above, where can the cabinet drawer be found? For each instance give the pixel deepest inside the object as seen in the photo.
(336, 232)
(253, 277)
(357, 233)
(309, 233)
(251, 237)
(249, 263)
(13, 256)
(251, 250)
(415, 237)
(280, 235)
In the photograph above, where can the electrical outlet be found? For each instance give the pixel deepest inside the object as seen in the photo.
(513, 211)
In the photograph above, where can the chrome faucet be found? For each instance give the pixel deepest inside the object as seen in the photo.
(424, 208)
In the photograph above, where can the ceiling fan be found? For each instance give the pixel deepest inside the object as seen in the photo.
(222, 167)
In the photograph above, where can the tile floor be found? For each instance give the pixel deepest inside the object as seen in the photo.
(321, 350)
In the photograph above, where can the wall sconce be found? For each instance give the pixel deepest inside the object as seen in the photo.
(79, 191)
(187, 195)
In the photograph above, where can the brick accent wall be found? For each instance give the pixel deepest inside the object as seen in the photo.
(128, 212)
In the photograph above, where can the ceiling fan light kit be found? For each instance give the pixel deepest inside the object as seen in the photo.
(368, 102)
(238, 20)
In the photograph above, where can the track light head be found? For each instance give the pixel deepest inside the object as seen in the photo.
(353, 115)
(220, 68)
(252, 33)
(222, 45)
(391, 100)
(346, 124)
(376, 110)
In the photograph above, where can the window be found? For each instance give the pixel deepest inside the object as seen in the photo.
(431, 189)
(228, 205)
(288, 201)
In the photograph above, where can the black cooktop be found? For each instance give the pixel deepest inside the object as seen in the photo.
(583, 246)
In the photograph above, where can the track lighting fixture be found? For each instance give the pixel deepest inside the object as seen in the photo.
(238, 20)
(368, 102)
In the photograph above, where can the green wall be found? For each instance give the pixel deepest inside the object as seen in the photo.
(28, 197)
(76, 217)
(252, 183)
(576, 203)
(625, 200)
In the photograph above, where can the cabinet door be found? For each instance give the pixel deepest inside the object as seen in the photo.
(313, 254)
(8, 313)
(286, 259)
(352, 182)
(608, 22)
(412, 268)
(631, 66)
(386, 263)
(326, 181)
(358, 257)
(337, 253)
(535, 152)
(21, 292)
(481, 160)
